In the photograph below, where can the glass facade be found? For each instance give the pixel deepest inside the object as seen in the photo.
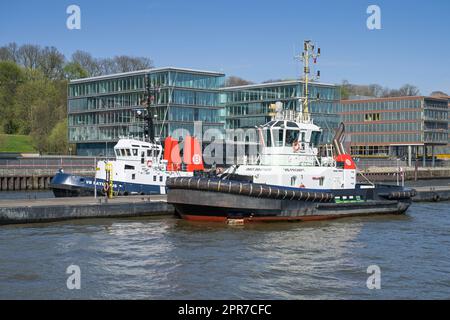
(376, 126)
(101, 109)
(248, 106)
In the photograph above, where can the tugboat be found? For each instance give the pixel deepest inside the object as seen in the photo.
(139, 167)
(292, 181)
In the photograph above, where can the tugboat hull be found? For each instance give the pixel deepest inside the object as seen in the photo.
(211, 206)
(68, 185)
(223, 205)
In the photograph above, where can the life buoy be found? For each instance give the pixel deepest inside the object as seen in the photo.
(149, 163)
(296, 146)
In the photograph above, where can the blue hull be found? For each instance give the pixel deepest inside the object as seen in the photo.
(68, 185)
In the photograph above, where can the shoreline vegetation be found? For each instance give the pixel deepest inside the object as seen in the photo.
(12, 143)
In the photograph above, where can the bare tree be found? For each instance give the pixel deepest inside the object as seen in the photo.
(10, 52)
(87, 62)
(409, 90)
(107, 66)
(51, 62)
(29, 55)
(127, 63)
(232, 81)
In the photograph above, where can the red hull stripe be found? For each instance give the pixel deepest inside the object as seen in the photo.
(261, 219)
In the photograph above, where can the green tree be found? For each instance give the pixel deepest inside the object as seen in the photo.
(74, 70)
(57, 140)
(11, 76)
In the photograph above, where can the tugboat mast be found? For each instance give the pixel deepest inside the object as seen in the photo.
(308, 53)
(149, 129)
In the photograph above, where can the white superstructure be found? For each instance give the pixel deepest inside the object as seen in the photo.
(139, 165)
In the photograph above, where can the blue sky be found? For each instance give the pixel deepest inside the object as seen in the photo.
(253, 39)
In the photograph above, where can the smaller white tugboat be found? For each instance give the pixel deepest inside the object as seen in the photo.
(291, 181)
(139, 168)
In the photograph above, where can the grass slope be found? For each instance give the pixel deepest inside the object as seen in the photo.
(15, 143)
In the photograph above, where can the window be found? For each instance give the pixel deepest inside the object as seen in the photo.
(315, 138)
(135, 152)
(291, 136)
(133, 176)
(161, 178)
(293, 181)
(128, 152)
(154, 178)
(372, 117)
(277, 137)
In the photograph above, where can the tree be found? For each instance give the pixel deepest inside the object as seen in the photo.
(87, 62)
(376, 91)
(9, 52)
(73, 70)
(11, 76)
(409, 90)
(127, 63)
(29, 55)
(233, 81)
(51, 62)
(57, 141)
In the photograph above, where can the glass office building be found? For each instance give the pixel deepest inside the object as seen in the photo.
(248, 106)
(397, 127)
(101, 110)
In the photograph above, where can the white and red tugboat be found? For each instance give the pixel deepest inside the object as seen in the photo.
(291, 181)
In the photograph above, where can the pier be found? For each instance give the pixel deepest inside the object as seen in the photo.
(58, 209)
(36, 172)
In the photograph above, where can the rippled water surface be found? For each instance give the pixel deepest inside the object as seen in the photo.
(167, 258)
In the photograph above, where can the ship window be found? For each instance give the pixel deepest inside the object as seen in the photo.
(267, 138)
(128, 152)
(149, 153)
(135, 152)
(293, 181)
(315, 138)
(277, 137)
(122, 151)
(292, 124)
(291, 136)
(160, 178)
(133, 176)
(154, 178)
(302, 136)
(117, 153)
(128, 167)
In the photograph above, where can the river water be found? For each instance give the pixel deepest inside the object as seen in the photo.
(167, 258)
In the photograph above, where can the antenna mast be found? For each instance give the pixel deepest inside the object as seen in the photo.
(309, 52)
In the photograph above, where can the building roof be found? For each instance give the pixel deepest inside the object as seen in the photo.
(279, 83)
(144, 71)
